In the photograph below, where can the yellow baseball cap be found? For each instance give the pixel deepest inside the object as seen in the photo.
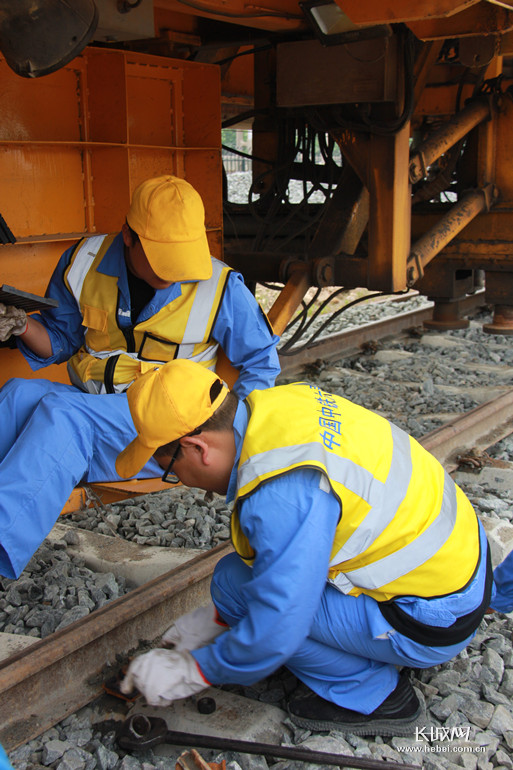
(167, 403)
(168, 216)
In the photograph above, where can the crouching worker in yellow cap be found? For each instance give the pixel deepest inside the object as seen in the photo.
(356, 553)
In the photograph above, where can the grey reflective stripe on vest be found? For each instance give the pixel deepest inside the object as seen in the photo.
(199, 316)
(208, 354)
(95, 386)
(411, 556)
(204, 355)
(82, 262)
(185, 351)
(108, 353)
(384, 498)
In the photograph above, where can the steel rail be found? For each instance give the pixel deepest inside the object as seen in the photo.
(344, 343)
(61, 673)
(478, 428)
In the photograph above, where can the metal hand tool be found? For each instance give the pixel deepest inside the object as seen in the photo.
(142, 732)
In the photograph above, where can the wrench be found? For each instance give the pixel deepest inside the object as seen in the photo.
(142, 732)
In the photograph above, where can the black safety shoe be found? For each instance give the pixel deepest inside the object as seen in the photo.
(397, 715)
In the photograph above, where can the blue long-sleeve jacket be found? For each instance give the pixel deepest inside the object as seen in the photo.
(240, 327)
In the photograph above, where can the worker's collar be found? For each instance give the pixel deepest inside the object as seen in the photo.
(113, 264)
(240, 424)
(113, 261)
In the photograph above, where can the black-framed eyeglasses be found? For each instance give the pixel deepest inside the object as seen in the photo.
(168, 476)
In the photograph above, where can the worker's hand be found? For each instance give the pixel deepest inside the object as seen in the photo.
(13, 320)
(163, 676)
(194, 630)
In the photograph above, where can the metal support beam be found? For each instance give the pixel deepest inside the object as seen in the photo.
(478, 18)
(344, 219)
(447, 315)
(424, 62)
(289, 298)
(431, 243)
(499, 293)
(265, 136)
(389, 210)
(381, 162)
(447, 136)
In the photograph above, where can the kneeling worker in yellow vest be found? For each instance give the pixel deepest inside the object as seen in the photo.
(356, 554)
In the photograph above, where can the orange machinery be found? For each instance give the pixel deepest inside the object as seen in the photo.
(400, 115)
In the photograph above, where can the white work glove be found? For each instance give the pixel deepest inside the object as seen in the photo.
(163, 676)
(13, 320)
(196, 629)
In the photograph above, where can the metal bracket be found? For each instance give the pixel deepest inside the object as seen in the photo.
(415, 272)
(289, 265)
(323, 272)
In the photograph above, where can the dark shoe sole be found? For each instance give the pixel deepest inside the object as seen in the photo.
(379, 726)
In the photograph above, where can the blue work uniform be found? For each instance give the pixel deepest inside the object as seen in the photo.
(503, 579)
(4, 760)
(282, 611)
(54, 435)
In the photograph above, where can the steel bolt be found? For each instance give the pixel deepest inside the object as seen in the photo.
(206, 705)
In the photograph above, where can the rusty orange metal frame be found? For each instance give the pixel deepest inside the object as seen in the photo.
(377, 12)
(273, 15)
(74, 144)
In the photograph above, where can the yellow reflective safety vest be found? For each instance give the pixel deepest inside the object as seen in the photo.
(405, 529)
(111, 357)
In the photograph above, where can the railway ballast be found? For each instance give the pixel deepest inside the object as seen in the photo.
(420, 381)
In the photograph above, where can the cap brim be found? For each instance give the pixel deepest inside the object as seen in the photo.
(133, 458)
(189, 261)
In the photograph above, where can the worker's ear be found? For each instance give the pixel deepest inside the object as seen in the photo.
(127, 235)
(199, 446)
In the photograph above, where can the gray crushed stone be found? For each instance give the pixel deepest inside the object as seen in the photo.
(54, 590)
(181, 518)
(468, 700)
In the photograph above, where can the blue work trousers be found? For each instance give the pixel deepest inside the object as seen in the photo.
(53, 436)
(503, 577)
(341, 659)
(4, 760)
